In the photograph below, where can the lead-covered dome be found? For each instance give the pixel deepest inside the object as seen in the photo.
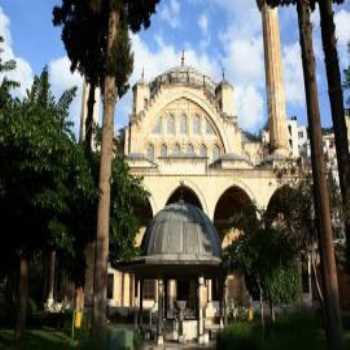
(183, 75)
(181, 232)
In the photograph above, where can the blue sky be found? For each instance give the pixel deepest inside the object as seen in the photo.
(214, 34)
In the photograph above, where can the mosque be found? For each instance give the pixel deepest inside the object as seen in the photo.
(200, 167)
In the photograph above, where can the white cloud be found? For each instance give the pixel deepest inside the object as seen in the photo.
(62, 79)
(155, 62)
(203, 23)
(243, 60)
(342, 21)
(250, 104)
(23, 72)
(170, 13)
(293, 74)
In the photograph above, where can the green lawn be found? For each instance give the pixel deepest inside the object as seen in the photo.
(43, 339)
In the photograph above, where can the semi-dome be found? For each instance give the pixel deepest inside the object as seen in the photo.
(179, 233)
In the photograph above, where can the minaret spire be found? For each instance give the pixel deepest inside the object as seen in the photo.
(276, 98)
(183, 58)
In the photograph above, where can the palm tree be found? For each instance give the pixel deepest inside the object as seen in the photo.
(321, 194)
(337, 105)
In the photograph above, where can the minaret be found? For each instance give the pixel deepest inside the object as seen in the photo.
(84, 109)
(276, 98)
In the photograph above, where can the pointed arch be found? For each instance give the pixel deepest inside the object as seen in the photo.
(186, 194)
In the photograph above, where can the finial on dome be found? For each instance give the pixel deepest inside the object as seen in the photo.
(143, 74)
(183, 58)
(223, 73)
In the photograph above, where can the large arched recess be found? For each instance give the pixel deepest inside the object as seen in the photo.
(187, 195)
(194, 96)
(144, 215)
(232, 202)
(280, 203)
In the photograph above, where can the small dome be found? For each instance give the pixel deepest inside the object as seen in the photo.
(181, 232)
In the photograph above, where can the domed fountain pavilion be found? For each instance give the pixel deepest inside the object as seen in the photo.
(181, 249)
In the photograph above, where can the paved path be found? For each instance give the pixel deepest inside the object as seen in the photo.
(176, 346)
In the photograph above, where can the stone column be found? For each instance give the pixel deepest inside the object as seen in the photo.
(221, 296)
(160, 338)
(141, 303)
(137, 303)
(276, 98)
(210, 290)
(201, 335)
(225, 302)
(171, 297)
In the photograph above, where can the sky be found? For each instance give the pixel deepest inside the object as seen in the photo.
(216, 35)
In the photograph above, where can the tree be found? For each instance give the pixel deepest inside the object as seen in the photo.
(35, 145)
(336, 98)
(328, 266)
(6, 84)
(276, 277)
(347, 76)
(116, 17)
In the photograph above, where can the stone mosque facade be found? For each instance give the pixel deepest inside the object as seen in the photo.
(184, 140)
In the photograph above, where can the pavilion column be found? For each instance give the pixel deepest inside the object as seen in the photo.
(160, 338)
(222, 300)
(210, 290)
(171, 296)
(201, 292)
(225, 301)
(137, 303)
(141, 303)
(276, 98)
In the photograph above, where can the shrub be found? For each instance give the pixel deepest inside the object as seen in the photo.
(292, 331)
(240, 335)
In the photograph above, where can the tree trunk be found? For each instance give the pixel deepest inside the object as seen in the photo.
(45, 263)
(89, 123)
(261, 297)
(337, 107)
(90, 259)
(317, 283)
(22, 298)
(321, 194)
(51, 277)
(272, 312)
(103, 211)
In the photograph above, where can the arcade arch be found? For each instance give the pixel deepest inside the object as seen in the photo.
(186, 194)
(233, 201)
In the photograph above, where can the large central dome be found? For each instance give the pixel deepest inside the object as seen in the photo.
(181, 232)
(184, 75)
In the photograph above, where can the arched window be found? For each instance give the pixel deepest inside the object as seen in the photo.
(177, 149)
(197, 124)
(171, 125)
(150, 152)
(164, 151)
(203, 151)
(158, 128)
(216, 152)
(183, 125)
(190, 149)
(209, 128)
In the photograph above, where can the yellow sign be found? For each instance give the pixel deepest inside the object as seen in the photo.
(78, 319)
